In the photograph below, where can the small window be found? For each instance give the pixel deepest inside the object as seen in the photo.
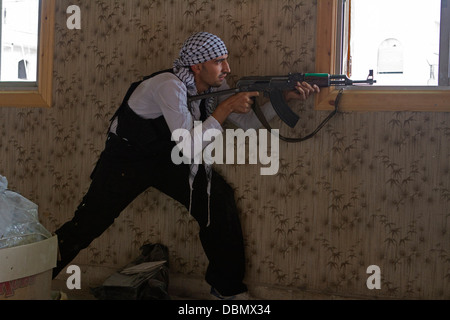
(26, 52)
(19, 40)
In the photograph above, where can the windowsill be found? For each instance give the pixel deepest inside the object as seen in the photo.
(379, 98)
(398, 88)
(18, 86)
(24, 98)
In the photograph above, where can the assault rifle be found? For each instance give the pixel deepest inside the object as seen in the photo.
(273, 87)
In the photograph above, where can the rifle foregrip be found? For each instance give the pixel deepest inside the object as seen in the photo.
(322, 80)
(282, 109)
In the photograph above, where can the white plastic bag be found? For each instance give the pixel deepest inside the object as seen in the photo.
(19, 222)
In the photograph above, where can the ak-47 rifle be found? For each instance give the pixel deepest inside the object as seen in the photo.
(274, 86)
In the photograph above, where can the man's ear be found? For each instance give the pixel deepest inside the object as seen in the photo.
(196, 68)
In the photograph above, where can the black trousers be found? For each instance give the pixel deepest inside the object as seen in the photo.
(122, 173)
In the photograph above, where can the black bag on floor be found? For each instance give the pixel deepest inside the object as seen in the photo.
(146, 278)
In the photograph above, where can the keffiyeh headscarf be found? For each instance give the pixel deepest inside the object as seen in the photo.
(198, 48)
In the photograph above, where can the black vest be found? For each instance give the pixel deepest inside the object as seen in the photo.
(148, 135)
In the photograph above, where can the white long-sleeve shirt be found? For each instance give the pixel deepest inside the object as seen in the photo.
(165, 95)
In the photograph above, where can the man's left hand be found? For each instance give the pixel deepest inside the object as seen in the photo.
(302, 91)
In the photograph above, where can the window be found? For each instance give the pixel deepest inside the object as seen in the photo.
(389, 55)
(19, 41)
(26, 52)
(402, 35)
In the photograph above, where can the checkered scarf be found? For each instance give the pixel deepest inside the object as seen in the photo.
(198, 48)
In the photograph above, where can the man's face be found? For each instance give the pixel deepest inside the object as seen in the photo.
(212, 73)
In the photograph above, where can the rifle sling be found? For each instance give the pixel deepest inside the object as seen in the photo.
(261, 117)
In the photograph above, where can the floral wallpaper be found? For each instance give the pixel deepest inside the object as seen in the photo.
(372, 188)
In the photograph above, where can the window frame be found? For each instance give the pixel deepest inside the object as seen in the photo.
(40, 95)
(376, 98)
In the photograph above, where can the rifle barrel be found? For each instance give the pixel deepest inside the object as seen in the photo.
(344, 81)
(369, 81)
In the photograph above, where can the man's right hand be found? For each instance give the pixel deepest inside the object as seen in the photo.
(238, 103)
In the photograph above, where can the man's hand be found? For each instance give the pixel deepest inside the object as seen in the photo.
(237, 103)
(303, 91)
(242, 102)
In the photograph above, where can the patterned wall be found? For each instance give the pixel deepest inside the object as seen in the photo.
(371, 188)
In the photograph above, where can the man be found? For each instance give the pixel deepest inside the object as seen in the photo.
(138, 152)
